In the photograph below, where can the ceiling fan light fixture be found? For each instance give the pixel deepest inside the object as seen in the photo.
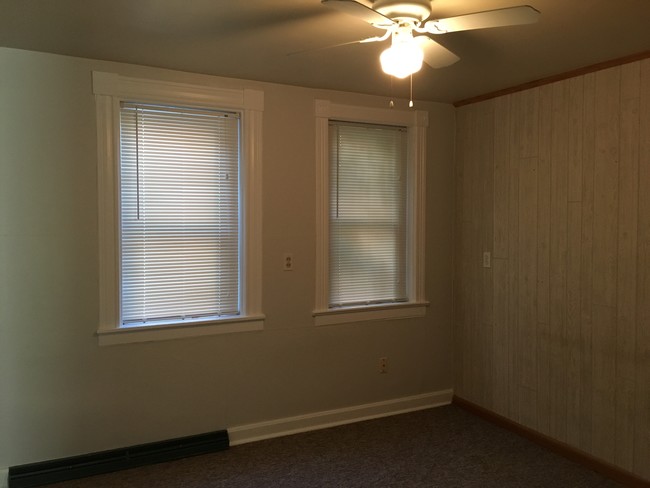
(402, 10)
(403, 58)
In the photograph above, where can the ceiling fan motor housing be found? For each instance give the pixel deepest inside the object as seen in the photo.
(406, 11)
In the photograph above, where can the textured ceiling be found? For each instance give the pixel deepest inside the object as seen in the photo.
(252, 39)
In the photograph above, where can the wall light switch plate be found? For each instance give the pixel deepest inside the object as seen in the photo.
(487, 259)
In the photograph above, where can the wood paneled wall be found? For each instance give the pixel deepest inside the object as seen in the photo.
(554, 182)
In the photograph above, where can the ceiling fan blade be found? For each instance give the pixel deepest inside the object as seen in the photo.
(524, 14)
(359, 10)
(331, 46)
(435, 55)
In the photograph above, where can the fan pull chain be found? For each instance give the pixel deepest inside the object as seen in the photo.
(411, 100)
(391, 104)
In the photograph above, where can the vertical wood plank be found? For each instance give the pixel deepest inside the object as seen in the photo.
(464, 326)
(586, 261)
(527, 145)
(544, 201)
(486, 144)
(463, 286)
(526, 130)
(576, 112)
(460, 259)
(500, 334)
(604, 261)
(574, 244)
(627, 264)
(471, 311)
(500, 339)
(513, 254)
(478, 386)
(642, 391)
(464, 120)
(543, 257)
(527, 336)
(558, 263)
(606, 185)
(501, 160)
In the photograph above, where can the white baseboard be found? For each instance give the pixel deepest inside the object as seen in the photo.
(4, 477)
(330, 418)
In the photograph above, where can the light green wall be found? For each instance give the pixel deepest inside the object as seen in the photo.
(61, 394)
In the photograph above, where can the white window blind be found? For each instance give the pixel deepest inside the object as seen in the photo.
(179, 200)
(367, 248)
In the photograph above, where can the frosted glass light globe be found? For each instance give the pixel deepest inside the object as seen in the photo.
(402, 59)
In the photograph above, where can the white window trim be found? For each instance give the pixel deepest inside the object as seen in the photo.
(109, 90)
(416, 121)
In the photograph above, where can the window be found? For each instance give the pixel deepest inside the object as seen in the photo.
(367, 206)
(179, 214)
(370, 213)
(179, 209)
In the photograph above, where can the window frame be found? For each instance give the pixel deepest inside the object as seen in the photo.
(416, 122)
(110, 89)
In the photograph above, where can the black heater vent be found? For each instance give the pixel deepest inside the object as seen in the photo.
(38, 474)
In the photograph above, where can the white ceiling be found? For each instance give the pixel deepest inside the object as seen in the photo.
(252, 39)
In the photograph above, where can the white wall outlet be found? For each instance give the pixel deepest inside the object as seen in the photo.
(383, 365)
(287, 262)
(487, 259)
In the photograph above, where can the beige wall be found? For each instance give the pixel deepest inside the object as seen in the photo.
(555, 183)
(61, 394)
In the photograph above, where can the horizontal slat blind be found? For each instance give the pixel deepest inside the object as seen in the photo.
(367, 258)
(179, 214)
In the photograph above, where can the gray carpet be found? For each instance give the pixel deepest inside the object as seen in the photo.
(442, 447)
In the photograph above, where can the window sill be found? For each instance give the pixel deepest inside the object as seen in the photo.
(127, 335)
(362, 314)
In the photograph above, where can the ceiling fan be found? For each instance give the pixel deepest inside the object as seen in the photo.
(408, 24)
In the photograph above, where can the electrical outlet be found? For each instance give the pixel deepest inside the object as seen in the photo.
(383, 365)
(288, 262)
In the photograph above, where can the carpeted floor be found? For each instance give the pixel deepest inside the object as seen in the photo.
(442, 447)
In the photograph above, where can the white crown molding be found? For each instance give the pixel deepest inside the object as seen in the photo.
(147, 90)
(371, 115)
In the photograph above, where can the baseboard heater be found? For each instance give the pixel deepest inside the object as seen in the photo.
(42, 473)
